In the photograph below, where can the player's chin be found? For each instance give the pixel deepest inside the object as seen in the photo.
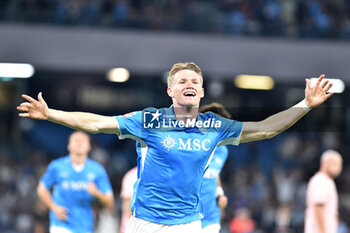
(191, 105)
(191, 101)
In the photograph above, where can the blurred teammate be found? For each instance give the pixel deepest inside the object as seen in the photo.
(126, 193)
(176, 145)
(322, 196)
(212, 194)
(76, 181)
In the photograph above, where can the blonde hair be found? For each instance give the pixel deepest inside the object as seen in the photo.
(184, 66)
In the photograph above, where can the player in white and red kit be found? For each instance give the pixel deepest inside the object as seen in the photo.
(322, 196)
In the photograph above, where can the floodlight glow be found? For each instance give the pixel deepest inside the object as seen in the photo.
(118, 75)
(16, 70)
(256, 82)
(338, 84)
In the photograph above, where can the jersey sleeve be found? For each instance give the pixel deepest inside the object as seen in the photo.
(102, 182)
(229, 132)
(49, 177)
(318, 191)
(131, 126)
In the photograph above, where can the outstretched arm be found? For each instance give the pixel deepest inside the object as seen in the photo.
(277, 123)
(89, 122)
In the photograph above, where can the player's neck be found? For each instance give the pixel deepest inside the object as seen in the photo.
(78, 159)
(324, 172)
(184, 113)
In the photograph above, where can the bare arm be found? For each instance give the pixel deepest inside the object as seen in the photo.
(45, 196)
(277, 123)
(126, 206)
(106, 199)
(271, 126)
(221, 198)
(89, 122)
(319, 214)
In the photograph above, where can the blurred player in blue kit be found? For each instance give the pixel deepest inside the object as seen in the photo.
(76, 181)
(212, 194)
(174, 157)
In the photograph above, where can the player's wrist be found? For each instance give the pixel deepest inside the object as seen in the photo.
(53, 206)
(49, 113)
(303, 105)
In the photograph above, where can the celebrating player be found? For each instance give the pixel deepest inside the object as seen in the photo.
(176, 145)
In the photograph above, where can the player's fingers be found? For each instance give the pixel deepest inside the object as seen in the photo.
(25, 104)
(25, 114)
(328, 87)
(63, 216)
(324, 84)
(27, 97)
(62, 213)
(320, 79)
(22, 108)
(40, 98)
(308, 83)
(329, 94)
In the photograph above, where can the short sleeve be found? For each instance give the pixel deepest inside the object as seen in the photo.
(318, 191)
(49, 177)
(131, 126)
(103, 183)
(229, 132)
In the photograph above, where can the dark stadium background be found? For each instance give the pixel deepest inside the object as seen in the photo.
(73, 43)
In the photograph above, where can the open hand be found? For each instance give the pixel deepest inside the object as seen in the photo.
(36, 109)
(316, 95)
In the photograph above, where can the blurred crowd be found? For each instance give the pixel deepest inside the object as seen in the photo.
(284, 18)
(265, 183)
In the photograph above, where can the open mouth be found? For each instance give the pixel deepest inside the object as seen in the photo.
(189, 94)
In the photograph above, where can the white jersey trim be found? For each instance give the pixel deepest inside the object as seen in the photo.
(210, 158)
(144, 149)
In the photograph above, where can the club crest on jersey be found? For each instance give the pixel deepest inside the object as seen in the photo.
(169, 143)
(64, 174)
(90, 176)
(189, 144)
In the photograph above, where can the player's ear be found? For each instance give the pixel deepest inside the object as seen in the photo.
(170, 92)
(202, 93)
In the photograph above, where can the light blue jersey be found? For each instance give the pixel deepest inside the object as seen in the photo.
(172, 161)
(70, 191)
(212, 211)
